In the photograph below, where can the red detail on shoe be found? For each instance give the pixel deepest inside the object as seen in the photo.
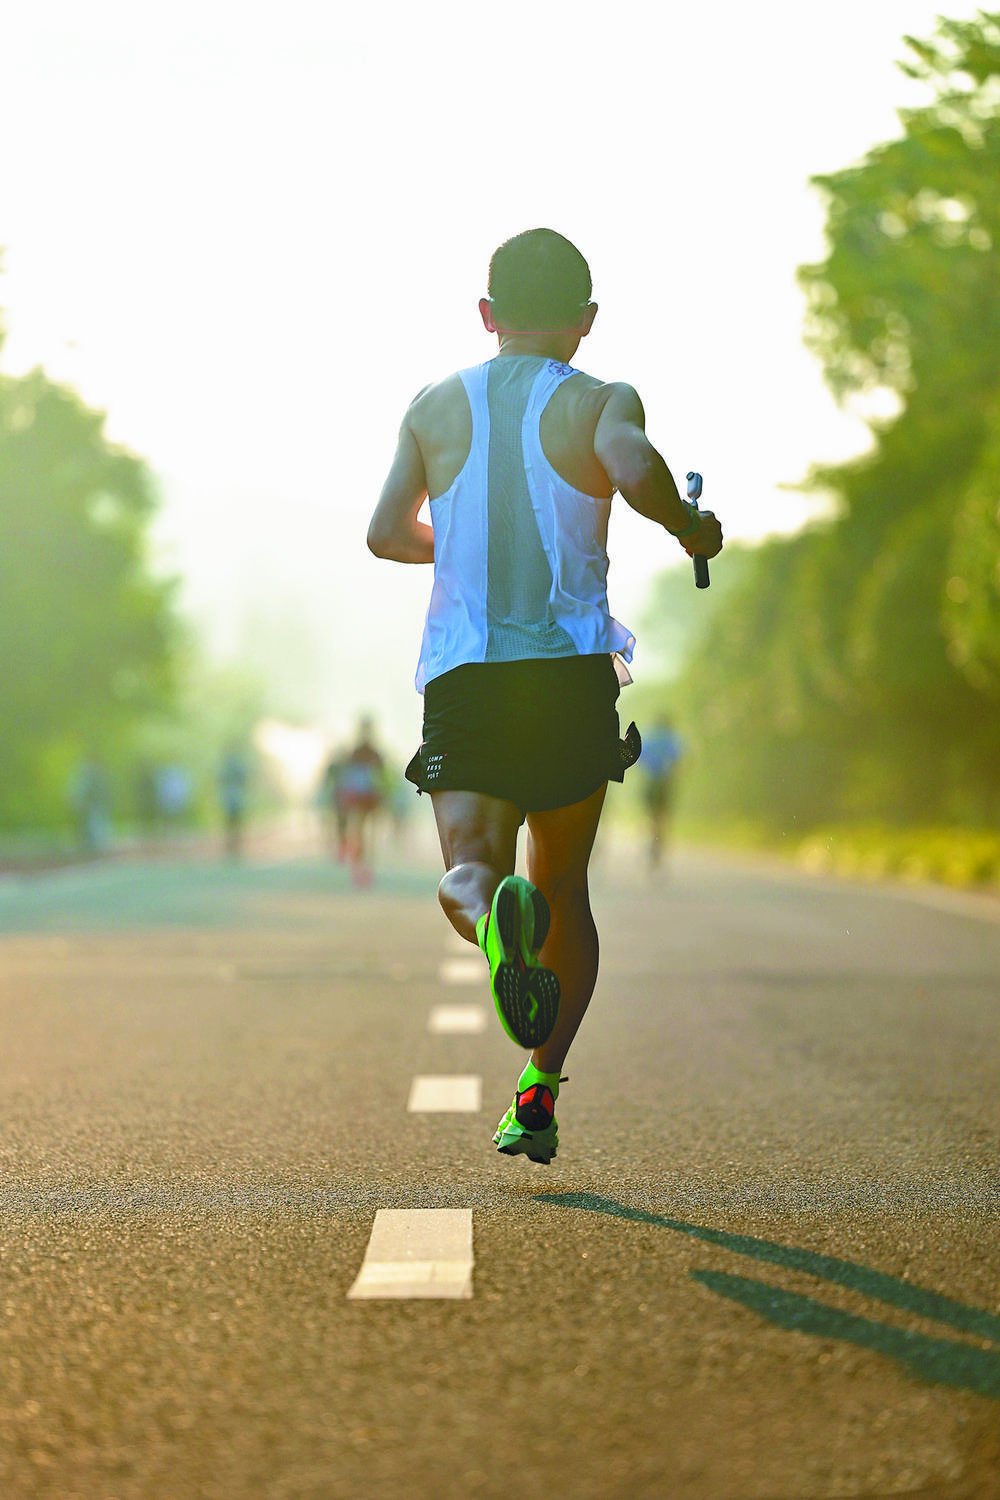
(536, 1095)
(535, 1107)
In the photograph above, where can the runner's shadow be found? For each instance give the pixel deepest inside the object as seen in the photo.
(942, 1361)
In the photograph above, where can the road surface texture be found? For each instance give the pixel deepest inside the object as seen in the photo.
(764, 1266)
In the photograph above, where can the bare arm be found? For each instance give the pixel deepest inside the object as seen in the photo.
(641, 476)
(394, 531)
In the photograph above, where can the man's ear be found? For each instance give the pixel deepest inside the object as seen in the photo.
(486, 313)
(587, 320)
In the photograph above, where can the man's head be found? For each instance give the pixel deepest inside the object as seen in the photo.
(538, 283)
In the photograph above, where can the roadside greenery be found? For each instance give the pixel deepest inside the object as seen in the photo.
(88, 635)
(954, 856)
(100, 682)
(851, 675)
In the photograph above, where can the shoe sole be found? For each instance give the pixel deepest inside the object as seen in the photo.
(526, 995)
(511, 1139)
(524, 1145)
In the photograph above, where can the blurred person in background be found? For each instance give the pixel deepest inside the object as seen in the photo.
(662, 748)
(233, 788)
(90, 799)
(522, 662)
(362, 792)
(330, 798)
(174, 795)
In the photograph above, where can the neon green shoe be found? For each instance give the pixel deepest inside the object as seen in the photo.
(529, 1127)
(525, 994)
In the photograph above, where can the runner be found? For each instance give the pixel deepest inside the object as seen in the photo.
(360, 791)
(234, 787)
(662, 748)
(521, 662)
(331, 802)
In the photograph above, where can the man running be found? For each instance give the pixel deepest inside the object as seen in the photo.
(520, 660)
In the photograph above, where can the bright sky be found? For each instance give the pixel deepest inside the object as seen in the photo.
(250, 233)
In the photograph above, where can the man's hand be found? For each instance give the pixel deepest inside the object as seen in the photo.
(395, 532)
(707, 540)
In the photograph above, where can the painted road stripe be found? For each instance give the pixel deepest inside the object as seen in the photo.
(466, 1020)
(452, 1093)
(417, 1252)
(464, 970)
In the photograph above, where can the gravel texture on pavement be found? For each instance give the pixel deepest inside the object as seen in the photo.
(764, 1265)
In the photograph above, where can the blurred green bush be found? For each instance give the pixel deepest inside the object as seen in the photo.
(952, 856)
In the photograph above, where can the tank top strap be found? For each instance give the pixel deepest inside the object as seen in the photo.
(474, 380)
(549, 378)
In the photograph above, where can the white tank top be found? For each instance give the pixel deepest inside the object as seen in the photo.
(520, 556)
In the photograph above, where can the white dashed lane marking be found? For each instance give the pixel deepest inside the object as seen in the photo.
(464, 1020)
(464, 971)
(450, 1093)
(417, 1252)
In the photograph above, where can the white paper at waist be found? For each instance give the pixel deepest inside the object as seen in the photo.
(621, 670)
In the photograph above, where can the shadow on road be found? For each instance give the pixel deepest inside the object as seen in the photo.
(941, 1361)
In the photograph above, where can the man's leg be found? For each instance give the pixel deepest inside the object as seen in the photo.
(362, 861)
(478, 837)
(559, 845)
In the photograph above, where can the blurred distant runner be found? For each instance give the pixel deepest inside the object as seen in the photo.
(662, 748)
(233, 786)
(174, 795)
(360, 792)
(521, 661)
(90, 798)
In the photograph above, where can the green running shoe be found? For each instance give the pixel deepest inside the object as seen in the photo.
(525, 994)
(529, 1126)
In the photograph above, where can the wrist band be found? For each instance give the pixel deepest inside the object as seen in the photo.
(690, 529)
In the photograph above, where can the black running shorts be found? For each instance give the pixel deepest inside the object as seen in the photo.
(539, 733)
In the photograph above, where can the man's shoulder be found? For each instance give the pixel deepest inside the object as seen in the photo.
(433, 399)
(616, 389)
(621, 402)
(596, 394)
(436, 389)
(601, 390)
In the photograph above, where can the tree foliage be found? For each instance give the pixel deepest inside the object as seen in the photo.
(856, 671)
(86, 631)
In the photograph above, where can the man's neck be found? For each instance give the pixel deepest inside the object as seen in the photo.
(544, 345)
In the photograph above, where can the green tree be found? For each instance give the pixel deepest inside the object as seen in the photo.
(856, 673)
(87, 633)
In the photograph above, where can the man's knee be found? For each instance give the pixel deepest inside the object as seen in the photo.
(558, 873)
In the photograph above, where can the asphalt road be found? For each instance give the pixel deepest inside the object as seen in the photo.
(765, 1265)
